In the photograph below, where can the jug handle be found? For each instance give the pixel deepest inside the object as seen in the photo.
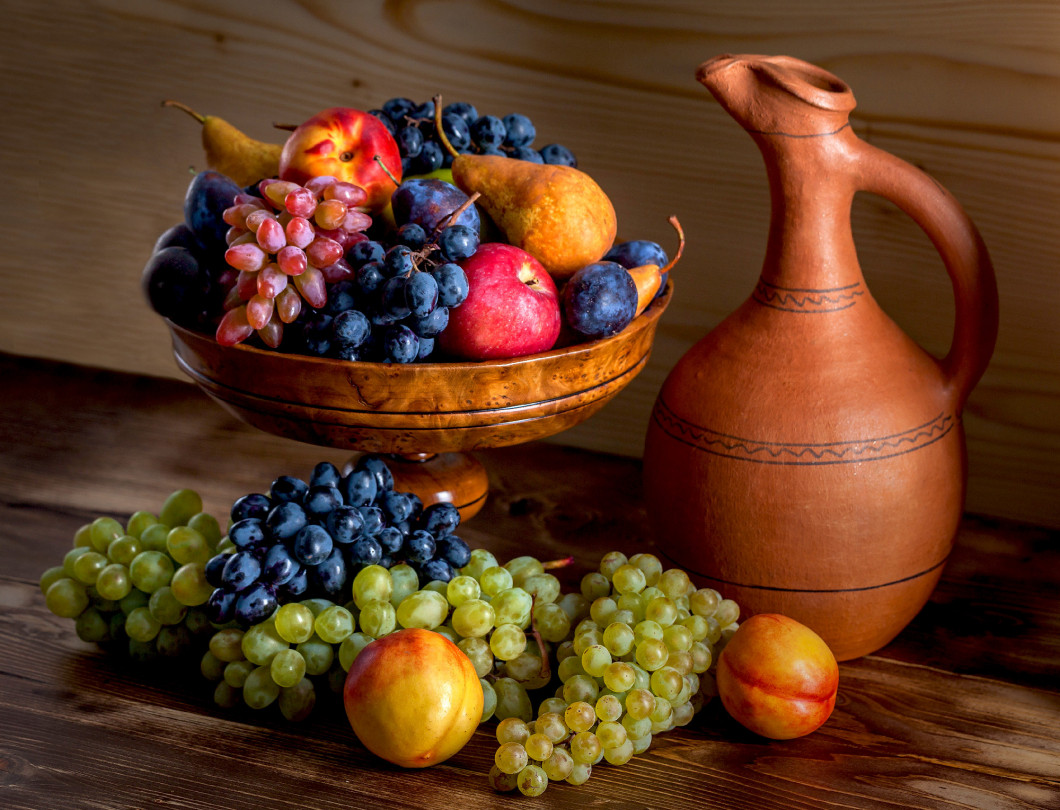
(963, 252)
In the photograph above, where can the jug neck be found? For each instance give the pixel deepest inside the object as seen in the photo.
(811, 181)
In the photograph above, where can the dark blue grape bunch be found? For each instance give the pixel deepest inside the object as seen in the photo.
(423, 152)
(309, 538)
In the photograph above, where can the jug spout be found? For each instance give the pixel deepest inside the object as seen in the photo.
(778, 95)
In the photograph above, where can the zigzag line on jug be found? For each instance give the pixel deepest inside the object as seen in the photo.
(791, 299)
(801, 453)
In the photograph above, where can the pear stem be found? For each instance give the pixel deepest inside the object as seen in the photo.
(439, 129)
(680, 243)
(197, 116)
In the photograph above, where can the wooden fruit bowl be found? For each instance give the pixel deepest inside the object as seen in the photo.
(431, 412)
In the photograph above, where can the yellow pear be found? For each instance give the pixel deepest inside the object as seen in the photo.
(231, 152)
(558, 214)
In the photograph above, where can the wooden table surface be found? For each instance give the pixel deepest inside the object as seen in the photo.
(962, 710)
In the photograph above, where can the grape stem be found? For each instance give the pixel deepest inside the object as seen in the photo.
(562, 562)
(453, 215)
(439, 129)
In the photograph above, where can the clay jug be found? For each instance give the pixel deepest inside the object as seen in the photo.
(807, 457)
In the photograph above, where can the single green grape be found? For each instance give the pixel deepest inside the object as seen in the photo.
(479, 652)
(489, 700)
(595, 660)
(333, 625)
(641, 744)
(636, 726)
(640, 703)
(180, 507)
(609, 709)
(103, 530)
(185, 545)
(650, 565)
(727, 612)
(317, 605)
(651, 654)
(620, 676)
(481, 559)
(437, 586)
(124, 549)
(448, 632)
(551, 621)
(227, 644)
(70, 557)
(662, 611)
(595, 585)
(667, 682)
(474, 618)
(611, 734)
(632, 604)
(165, 607)
(663, 710)
(569, 667)
(574, 605)
(113, 582)
(138, 521)
(580, 687)
(261, 642)
(378, 618)
(551, 723)
(206, 525)
(225, 696)
(507, 642)
(512, 700)
(511, 757)
(512, 606)
(211, 667)
(66, 598)
(404, 580)
(538, 747)
(629, 579)
(702, 657)
(461, 588)
(425, 609)
(287, 667)
(681, 660)
(318, 655)
(584, 641)
(618, 638)
(190, 586)
(678, 637)
(294, 622)
(512, 730)
(236, 672)
(611, 562)
(601, 610)
(674, 583)
(495, 579)
(134, 599)
(697, 626)
(619, 754)
(585, 748)
(544, 588)
(502, 782)
(151, 570)
(50, 576)
(580, 716)
(532, 781)
(647, 629)
(260, 690)
(83, 536)
(141, 625)
(704, 602)
(153, 538)
(559, 765)
(351, 647)
(523, 567)
(296, 702)
(580, 773)
(91, 626)
(173, 641)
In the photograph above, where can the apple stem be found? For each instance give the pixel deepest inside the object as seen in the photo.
(680, 243)
(453, 215)
(197, 116)
(439, 129)
(285, 127)
(386, 170)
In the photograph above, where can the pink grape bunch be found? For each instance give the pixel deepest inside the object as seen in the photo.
(288, 245)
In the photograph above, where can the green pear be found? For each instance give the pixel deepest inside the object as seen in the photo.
(231, 152)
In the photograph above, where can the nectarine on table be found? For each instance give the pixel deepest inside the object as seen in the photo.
(777, 677)
(413, 698)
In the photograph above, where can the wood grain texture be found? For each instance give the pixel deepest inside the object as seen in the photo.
(962, 710)
(965, 90)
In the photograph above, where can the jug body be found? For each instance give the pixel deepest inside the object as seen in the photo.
(807, 457)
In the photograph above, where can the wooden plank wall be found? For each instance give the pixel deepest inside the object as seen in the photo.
(95, 169)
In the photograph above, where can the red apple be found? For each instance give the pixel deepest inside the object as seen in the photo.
(343, 142)
(512, 307)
